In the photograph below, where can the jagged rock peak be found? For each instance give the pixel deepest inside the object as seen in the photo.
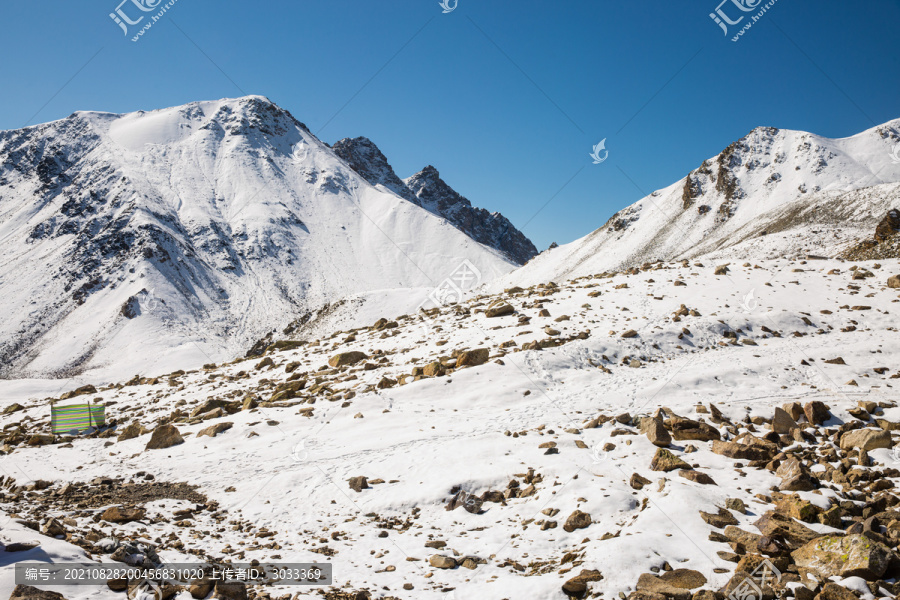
(364, 157)
(428, 190)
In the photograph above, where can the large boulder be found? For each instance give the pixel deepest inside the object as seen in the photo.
(472, 358)
(577, 520)
(230, 590)
(782, 422)
(655, 431)
(844, 556)
(27, 592)
(894, 282)
(131, 431)
(688, 429)
(164, 436)
(746, 447)
(866, 439)
(816, 412)
(346, 358)
(440, 561)
(499, 311)
(121, 514)
(665, 461)
(577, 587)
(780, 527)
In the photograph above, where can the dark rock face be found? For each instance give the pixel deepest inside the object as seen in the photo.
(429, 191)
(889, 226)
(365, 158)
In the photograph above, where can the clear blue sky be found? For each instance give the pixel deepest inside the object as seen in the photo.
(504, 98)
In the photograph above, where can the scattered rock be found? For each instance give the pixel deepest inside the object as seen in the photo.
(358, 484)
(164, 436)
(665, 461)
(577, 520)
(346, 358)
(847, 556)
(866, 439)
(440, 561)
(121, 514)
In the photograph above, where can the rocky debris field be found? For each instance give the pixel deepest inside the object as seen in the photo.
(679, 431)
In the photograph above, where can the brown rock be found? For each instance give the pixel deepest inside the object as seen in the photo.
(131, 431)
(200, 588)
(121, 514)
(719, 520)
(473, 358)
(816, 412)
(358, 484)
(833, 591)
(665, 461)
(866, 439)
(697, 477)
(164, 436)
(653, 428)
(214, 430)
(631, 333)
(894, 282)
(637, 482)
(230, 590)
(741, 451)
(499, 311)
(440, 561)
(846, 556)
(346, 358)
(688, 429)
(577, 520)
(577, 587)
(782, 422)
(27, 592)
(779, 527)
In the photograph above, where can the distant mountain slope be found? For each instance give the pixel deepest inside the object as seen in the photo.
(772, 193)
(163, 239)
(429, 191)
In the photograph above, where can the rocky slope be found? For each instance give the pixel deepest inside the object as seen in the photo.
(772, 193)
(183, 235)
(429, 191)
(678, 432)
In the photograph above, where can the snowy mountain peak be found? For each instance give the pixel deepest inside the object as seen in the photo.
(428, 190)
(169, 238)
(774, 192)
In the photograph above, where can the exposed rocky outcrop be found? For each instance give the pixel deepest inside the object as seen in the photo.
(429, 191)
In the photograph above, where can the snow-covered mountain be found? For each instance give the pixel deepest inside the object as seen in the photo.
(159, 240)
(428, 190)
(772, 193)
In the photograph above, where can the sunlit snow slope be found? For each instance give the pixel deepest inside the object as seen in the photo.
(150, 241)
(773, 193)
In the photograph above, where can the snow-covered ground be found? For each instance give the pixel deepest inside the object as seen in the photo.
(481, 427)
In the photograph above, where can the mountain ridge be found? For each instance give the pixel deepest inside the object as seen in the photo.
(209, 224)
(428, 190)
